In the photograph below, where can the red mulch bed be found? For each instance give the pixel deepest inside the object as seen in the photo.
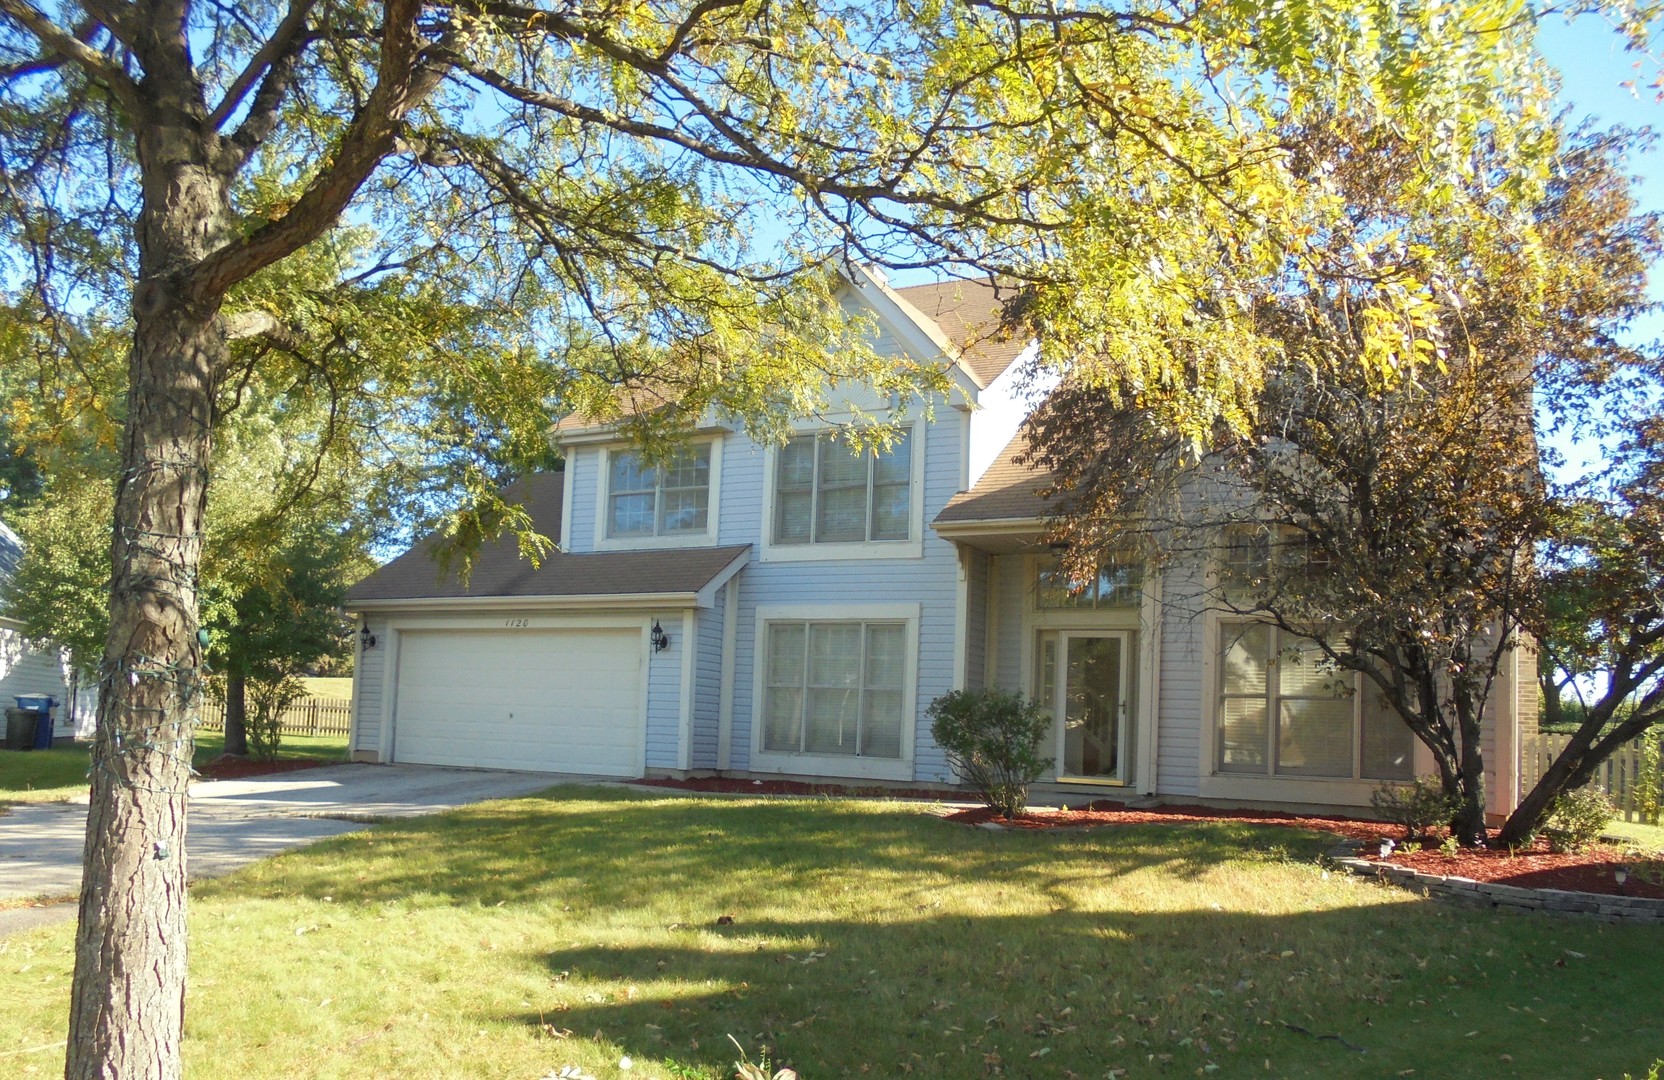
(1535, 867)
(730, 785)
(1107, 812)
(230, 767)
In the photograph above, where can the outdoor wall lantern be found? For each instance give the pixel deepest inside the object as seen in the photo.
(660, 639)
(365, 638)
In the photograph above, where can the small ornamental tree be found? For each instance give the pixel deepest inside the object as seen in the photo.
(992, 739)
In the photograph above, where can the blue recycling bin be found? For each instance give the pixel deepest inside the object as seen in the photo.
(41, 706)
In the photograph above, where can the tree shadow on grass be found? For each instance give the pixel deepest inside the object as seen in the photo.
(1398, 989)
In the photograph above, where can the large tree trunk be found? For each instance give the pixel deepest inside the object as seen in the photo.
(1469, 825)
(128, 999)
(236, 714)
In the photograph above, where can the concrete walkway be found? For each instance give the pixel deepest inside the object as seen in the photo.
(235, 822)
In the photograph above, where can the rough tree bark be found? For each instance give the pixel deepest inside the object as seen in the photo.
(128, 998)
(127, 1002)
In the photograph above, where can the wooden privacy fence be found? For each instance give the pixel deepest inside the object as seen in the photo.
(1624, 776)
(308, 716)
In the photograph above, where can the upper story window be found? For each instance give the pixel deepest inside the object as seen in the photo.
(826, 493)
(1118, 583)
(1255, 557)
(673, 499)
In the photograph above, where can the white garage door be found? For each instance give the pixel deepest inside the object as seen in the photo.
(543, 700)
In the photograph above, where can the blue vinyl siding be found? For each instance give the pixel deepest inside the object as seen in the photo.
(707, 681)
(976, 620)
(664, 697)
(366, 706)
(585, 463)
(1181, 710)
(1012, 601)
(930, 581)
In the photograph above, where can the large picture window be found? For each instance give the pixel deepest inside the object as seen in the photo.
(825, 493)
(835, 688)
(669, 500)
(1285, 710)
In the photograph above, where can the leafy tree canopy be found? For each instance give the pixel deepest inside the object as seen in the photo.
(639, 209)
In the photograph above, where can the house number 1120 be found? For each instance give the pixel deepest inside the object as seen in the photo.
(516, 623)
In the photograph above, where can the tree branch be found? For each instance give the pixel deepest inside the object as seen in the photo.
(54, 38)
(285, 42)
(403, 79)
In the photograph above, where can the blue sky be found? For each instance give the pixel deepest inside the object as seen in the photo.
(1594, 66)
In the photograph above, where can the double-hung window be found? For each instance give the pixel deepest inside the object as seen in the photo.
(1285, 710)
(669, 500)
(826, 493)
(835, 688)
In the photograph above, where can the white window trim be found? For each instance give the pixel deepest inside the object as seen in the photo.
(603, 483)
(1270, 787)
(911, 548)
(838, 765)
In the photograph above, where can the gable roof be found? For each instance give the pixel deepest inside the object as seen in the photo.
(967, 317)
(500, 571)
(972, 313)
(1006, 492)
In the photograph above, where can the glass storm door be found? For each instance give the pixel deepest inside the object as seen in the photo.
(1089, 693)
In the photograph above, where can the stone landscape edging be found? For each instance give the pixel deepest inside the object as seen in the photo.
(1497, 895)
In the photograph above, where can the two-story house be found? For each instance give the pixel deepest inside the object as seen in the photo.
(791, 610)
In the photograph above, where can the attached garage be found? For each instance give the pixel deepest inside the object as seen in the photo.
(547, 668)
(547, 700)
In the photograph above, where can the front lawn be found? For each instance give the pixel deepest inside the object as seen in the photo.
(859, 939)
(61, 773)
(1646, 837)
(42, 775)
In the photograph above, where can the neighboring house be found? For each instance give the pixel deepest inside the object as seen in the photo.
(769, 610)
(38, 667)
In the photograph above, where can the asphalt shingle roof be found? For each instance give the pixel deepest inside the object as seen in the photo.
(1006, 492)
(972, 315)
(500, 571)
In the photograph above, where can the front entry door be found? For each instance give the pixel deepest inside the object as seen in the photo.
(1090, 696)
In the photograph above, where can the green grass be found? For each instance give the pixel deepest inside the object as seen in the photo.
(322, 748)
(1647, 837)
(867, 939)
(329, 687)
(28, 776)
(54, 775)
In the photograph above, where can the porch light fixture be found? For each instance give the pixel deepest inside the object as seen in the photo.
(365, 638)
(660, 639)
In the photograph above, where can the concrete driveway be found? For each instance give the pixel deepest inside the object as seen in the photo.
(235, 822)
